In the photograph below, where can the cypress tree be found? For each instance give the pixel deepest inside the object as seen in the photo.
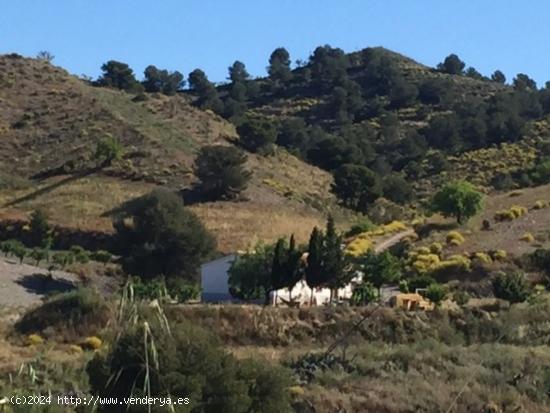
(292, 273)
(278, 266)
(333, 258)
(314, 269)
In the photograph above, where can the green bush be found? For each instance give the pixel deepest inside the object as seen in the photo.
(436, 293)
(421, 281)
(363, 294)
(513, 287)
(188, 362)
(102, 256)
(39, 229)
(364, 224)
(81, 312)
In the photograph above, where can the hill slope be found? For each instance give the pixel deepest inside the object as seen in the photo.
(51, 121)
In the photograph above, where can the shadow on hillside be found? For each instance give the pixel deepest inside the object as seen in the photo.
(425, 230)
(41, 284)
(49, 188)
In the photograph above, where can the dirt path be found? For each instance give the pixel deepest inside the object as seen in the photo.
(391, 241)
(23, 285)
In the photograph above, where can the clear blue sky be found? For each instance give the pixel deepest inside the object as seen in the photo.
(509, 35)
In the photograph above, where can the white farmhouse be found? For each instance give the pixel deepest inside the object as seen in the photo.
(215, 288)
(215, 280)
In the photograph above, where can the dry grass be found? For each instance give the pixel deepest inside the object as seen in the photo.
(78, 204)
(241, 225)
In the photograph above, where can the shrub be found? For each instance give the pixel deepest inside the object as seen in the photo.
(461, 297)
(436, 293)
(39, 254)
(19, 250)
(102, 256)
(63, 259)
(149, 289)
(518, 211)
(359, 246)
(363, 294)
(75, 349)
(436, 248)
(221, 172)
(499, 255)
(39, 229)
(81, 311)
(364, 224)
(190, 363)
(257, 134)
(423, 250)
(80, 254)
(540, 204)
(34, 340)
(421, 281)
(404, 286)
(454, 238)
(455, 264)
(482, 257)
(504, 215)
(430, 259)
(108, 150)
(527, 237)
(91, 343)
(513, 287)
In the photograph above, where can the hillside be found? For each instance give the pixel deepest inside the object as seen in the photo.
(413, 127)
(51, 121)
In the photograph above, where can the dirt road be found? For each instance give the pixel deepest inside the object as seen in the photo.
(391, 241)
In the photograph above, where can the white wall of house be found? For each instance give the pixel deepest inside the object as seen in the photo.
(302, 294)
(215, 280)
(215, 287)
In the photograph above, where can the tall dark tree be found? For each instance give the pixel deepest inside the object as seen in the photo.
(39, 229)
(402, 92)
(208, 97)
(237, 72)
(522, 82)
(118, 75)
(163, 81)
(198, 82)
(314, 268)
(380, 269)
(357, 186)
(279, 66)
(285, 271)
(452, 65)
(473, 73)
(334, 263)
(161, 237)
(498, 77)
(257, 134)
(221, 171)
(328, 66)
(278, 265)
(292, 270)
(397, 189)
(293, 135)
(346, 101)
